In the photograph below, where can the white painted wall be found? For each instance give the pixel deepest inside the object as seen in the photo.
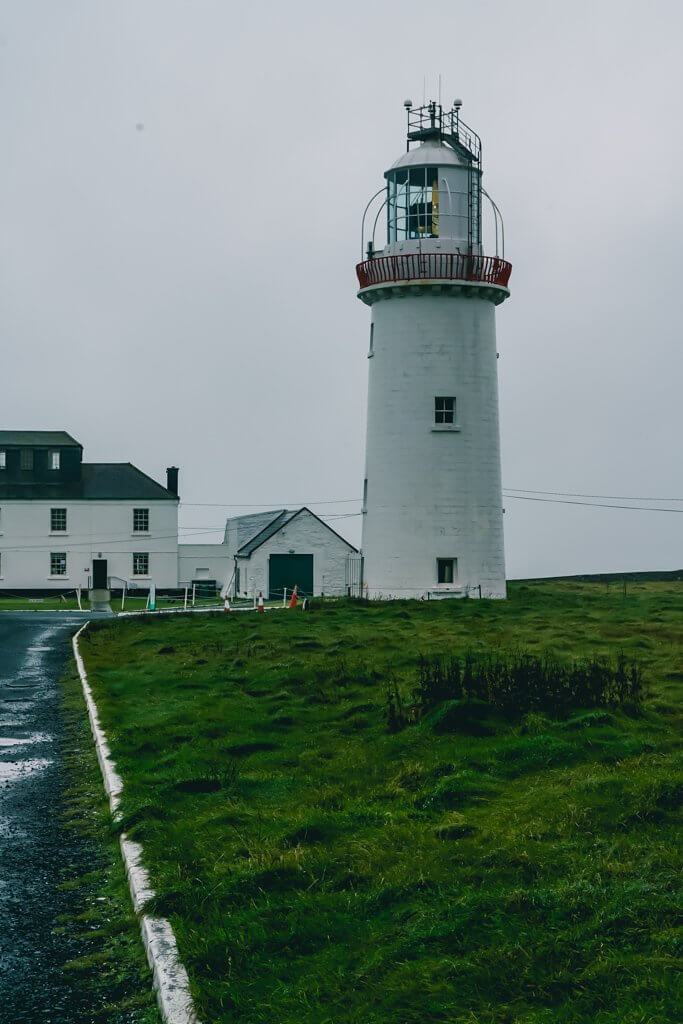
(304, 535)
(93, 528)
(192, 558)
(433, 492)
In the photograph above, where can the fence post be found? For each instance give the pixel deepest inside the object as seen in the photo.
(284, 598)
(185, 600)
(194, 593)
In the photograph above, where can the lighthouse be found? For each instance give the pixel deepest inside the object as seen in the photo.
(432, 499)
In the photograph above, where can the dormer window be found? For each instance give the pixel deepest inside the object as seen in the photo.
(53, 459)
(26, 459)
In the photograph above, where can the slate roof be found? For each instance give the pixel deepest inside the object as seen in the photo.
(246, 527)
(38, 438)
(100, 481)
(260, 538)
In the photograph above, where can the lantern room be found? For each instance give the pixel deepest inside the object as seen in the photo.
(434, 188)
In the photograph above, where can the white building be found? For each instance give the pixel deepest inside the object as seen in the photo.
(269, 552)
(65, 523)
(433, 516)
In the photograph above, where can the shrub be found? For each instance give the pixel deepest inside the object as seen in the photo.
(521, 683)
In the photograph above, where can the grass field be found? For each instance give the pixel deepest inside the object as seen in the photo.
(319, 869)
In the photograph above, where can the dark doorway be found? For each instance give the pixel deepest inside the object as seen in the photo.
(99, 573)
(290, 571)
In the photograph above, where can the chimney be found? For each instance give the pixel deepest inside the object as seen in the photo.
(172, 480)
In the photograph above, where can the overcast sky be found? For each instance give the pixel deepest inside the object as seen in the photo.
(181, 187)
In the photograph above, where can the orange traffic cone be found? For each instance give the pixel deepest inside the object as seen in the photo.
(292, 603)
(259, 603)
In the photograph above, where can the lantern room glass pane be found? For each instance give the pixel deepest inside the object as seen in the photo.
(413, 204)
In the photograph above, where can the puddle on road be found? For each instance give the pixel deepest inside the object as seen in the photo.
(10, 771)
(34, 737)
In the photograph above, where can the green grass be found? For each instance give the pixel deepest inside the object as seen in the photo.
(111, 975)
(320, 870)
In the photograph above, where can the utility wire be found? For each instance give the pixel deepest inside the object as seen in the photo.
(269, 505)
(573, 494)
(591, 504)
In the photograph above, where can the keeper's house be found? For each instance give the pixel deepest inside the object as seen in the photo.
(272, 551)
(59, 514)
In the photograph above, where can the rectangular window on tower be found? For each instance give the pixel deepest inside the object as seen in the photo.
(446, 570)
(444, 410)
(26, 458)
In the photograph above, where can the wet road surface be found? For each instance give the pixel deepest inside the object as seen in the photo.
(34, 851)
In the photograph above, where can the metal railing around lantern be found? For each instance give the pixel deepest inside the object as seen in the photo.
(434, 266)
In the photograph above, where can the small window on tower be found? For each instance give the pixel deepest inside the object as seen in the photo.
(444, 410)
(53, 460)
(3, 460)
(26, 458)
(371, 350)
(446, 570)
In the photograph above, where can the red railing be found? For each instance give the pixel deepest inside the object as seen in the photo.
(434, 266)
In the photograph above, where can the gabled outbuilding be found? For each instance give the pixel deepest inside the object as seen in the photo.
(294, 548)
(270, 552)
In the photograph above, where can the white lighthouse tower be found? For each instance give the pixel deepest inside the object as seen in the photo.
(432, 501)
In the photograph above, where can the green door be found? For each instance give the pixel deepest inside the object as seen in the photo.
(290, 571)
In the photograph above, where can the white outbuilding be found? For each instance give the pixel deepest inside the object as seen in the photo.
(272, 552)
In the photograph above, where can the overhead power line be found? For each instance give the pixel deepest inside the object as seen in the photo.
(268, 505)
(591, 504)
(574, 494)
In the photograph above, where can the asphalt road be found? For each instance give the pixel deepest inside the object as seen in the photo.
(35, 853)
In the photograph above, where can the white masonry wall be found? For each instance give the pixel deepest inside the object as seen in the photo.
(304, 535)
(94, 529)
(433, 492)
(204, 561)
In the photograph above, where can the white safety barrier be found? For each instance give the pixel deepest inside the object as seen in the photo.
(170, 977)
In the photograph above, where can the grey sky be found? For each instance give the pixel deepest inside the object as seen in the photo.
(181, 186)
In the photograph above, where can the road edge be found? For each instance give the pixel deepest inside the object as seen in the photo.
(171, 982)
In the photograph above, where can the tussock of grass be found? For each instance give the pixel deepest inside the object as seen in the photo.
(319, 869)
